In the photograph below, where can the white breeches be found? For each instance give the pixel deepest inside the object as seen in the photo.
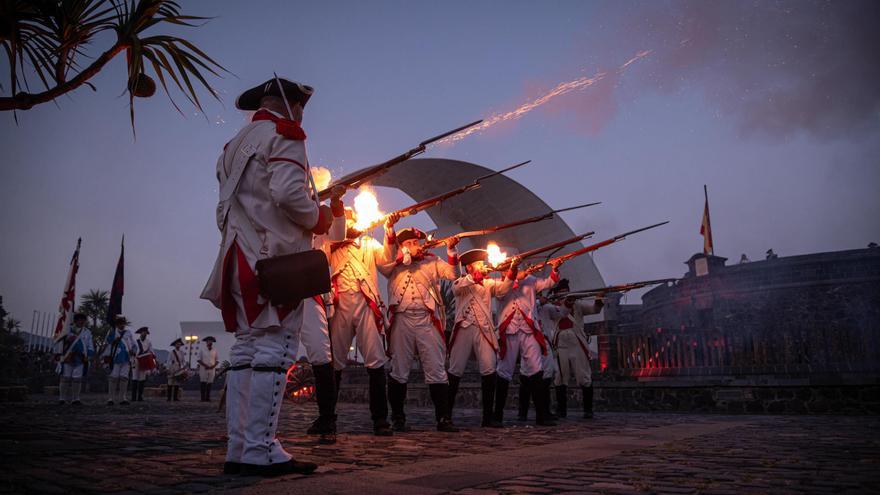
(414, 333)
(72, 371)
(353, 320)
(472, 340)
(549, 365)
(120, 370)
(572, 361)
(527, 348)
(207, 375)
(314, 335)
(254, 394)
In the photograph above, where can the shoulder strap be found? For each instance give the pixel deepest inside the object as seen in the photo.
(244, 148)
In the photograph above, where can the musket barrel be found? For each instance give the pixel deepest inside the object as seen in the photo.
(449, 133)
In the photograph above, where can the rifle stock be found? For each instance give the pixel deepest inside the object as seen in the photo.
(359, 178)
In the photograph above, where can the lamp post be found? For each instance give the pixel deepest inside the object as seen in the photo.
(190, 341)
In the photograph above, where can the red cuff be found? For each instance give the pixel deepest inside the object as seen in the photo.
(554, 275)
(324, 221)
(453, 259)
(512, 272)
(391, 236)
(337, 207)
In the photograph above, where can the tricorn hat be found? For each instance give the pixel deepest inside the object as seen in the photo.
(473, 255)
(209, 339)
(561, 286)
(80, 316)
(142, 330)
(177, 341)
(294, 91)
(120, 319)
(410, 233)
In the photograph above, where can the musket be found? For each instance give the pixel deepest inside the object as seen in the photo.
(579, 294)
(425, 204)
(489, 230)
(556, 245)
(356, 179)
(590, 248)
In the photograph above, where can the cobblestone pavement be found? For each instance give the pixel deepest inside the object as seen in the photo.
(156, 447)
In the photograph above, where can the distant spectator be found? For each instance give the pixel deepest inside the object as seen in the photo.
(872, 245)
(771, 255)
(743, 259)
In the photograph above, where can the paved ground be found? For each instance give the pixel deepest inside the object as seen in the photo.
(156, 448)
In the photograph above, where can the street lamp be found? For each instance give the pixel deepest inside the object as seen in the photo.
(190, 340)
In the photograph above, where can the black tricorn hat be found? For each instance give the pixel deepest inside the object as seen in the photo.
(410, 233)
(80, 316)
(561, 286)
(142, 330)
(209, 339)
(473, 255)
(295, 92)
(177, 341)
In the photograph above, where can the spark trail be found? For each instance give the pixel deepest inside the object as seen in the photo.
(559, 90)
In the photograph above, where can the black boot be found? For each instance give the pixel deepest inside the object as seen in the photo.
(525, 395)
(545, 389)
(202, 391)
(396, 398)
(141, 385)
(562, 401)
(379, 402)
(208, 391)
(337, 375)
(134, 390)
(169, 390)
(453, 391)
(536, 383)
(440, 398)
(325, 394)
(176, 394)
(588, 401)
(487, 390)
(501, 386)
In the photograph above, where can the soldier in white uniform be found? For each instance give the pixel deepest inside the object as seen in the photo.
(143, 354)
(176, 369)
(474, 330)
(574, 353)
(73, 349)
(417, 322)
(358, 314)
(548, 314)
(207, 367)
(521, 337)
(266, 210)
(120, 350)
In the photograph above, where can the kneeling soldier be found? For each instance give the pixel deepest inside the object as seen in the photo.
(417, 322)
(474, 331)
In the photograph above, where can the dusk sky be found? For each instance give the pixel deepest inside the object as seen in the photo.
(774, 106)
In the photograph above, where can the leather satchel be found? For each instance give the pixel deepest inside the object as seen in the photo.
(288, 279)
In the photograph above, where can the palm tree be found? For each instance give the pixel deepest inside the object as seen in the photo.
(94, 306)
(12, 325)
(48, 39)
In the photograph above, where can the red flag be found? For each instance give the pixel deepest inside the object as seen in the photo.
(706, 227)
(115, 304)
(68, 298)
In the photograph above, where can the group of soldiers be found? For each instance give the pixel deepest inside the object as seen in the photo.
(127, 359)
(270, 209)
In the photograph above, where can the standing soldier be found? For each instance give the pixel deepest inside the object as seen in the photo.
(207, 367)
(176, 369)
(474, 330)
(574, 353)
(521, 337)
(74, 348)
(120, 350)
(417, 321)
(548, 314)
(266, 210)
(145, 361)
(358, 312)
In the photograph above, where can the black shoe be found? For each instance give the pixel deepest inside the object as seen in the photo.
(588, 415)
(400, 425)
(109, 402)
(445, 425)
(491, 423)
(231, 467)
(382, 429)
(123, 403)
(316, 428)
(278, 469)
(62, 402)
(76, 403)
(327, 438)
(545, 422)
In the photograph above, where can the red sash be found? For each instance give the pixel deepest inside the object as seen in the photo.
(542, 341)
